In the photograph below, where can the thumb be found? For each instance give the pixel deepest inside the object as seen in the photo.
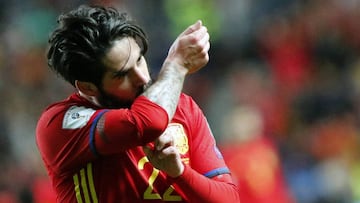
(197, 25)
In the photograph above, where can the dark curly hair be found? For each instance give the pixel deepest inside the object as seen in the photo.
(82, 39)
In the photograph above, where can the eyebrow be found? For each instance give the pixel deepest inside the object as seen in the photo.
(123, 71)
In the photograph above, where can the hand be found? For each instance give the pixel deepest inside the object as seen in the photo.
(165, 156)
(190, 49)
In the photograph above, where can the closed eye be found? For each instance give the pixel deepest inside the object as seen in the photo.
(120, 74)
(139, 60)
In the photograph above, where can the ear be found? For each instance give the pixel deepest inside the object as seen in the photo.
(87, 88)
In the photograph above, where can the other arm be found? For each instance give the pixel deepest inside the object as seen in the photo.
(206, 178)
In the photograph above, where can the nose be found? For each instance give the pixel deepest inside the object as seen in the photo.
(141, 77)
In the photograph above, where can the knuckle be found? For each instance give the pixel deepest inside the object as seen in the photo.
(193, 39)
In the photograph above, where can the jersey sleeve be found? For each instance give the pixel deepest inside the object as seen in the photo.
(62, 136)
(67, 136)
(126, 128)
(199, 188)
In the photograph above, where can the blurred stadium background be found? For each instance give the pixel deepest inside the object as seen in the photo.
(281, 91)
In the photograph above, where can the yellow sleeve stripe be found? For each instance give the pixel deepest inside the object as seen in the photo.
(91, 183)
(77, 188)
(85, 184)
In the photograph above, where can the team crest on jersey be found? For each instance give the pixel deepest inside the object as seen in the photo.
(77, 117)
(180, 138)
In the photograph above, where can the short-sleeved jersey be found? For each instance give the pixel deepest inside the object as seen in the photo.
(80, 173)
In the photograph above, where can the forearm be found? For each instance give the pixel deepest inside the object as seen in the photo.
(199, 188)
(166, 90)
(147, 118)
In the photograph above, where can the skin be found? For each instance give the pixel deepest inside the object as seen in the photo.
(128, 77)
(128, 73)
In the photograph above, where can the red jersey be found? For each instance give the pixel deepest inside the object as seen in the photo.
(85, 168)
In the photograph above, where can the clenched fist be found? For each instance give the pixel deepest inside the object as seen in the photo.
(190, 49)
(165, 156)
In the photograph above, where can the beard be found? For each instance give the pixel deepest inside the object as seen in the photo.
(109, 101)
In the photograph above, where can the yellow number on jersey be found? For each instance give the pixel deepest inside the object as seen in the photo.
(149, 192)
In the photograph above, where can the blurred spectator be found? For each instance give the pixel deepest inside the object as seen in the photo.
(8, 197)
(253, 158)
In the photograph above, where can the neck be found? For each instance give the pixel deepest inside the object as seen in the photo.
(91, 99)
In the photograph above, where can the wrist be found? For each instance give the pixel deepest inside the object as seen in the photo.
(172, 64)
(178, 173)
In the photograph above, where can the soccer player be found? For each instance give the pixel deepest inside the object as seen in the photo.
(119, 138)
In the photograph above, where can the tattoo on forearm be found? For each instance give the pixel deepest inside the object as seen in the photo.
(166, 90)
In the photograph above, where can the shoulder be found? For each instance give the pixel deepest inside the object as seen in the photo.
(187, 108)
(71, 108)
(57, 107)
(186, 101)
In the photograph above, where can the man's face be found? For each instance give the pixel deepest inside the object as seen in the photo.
(127, 75)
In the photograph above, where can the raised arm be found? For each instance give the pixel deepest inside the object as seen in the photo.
(187, 54)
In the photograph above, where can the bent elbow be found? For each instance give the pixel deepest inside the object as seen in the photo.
(156, 127)
(152, 125)
(141, 124)
(151, 120)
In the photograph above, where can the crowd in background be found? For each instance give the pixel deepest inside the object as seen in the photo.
(281, 91)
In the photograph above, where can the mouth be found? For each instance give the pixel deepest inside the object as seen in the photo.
(142, 89)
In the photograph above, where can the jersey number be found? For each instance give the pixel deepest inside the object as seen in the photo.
(149, 192)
